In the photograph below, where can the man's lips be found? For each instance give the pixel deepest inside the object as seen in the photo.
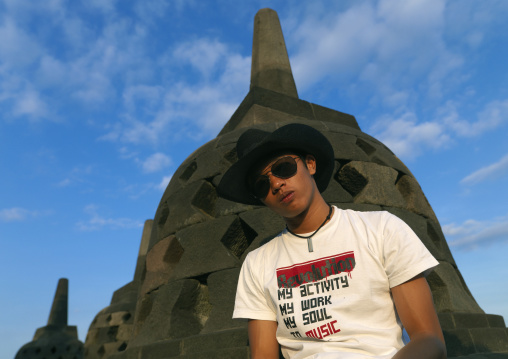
(287, 197)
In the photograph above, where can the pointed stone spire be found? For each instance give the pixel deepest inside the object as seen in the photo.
(270, 62)
(58, 313)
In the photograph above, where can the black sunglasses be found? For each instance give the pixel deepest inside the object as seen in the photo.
(284, 168)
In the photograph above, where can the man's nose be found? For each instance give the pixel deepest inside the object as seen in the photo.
(276, 183)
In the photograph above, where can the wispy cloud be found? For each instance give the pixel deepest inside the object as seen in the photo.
(156, 162)
(408, 137)
(97, 221)
(473, 233)
(489, 172)
(18, 214)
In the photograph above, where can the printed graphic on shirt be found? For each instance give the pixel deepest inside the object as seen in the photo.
(306, 291)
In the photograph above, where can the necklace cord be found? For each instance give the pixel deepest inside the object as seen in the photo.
(321, 226)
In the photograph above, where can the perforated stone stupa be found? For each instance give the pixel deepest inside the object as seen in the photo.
(185, 293)
(56, 340)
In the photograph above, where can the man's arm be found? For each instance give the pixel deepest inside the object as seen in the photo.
(262, 339)
(413, 300)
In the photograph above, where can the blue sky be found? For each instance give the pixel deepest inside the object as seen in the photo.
(101, 100)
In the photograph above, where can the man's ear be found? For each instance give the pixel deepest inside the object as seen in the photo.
(310, 162)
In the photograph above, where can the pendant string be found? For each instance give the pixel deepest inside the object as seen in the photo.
(309, 238)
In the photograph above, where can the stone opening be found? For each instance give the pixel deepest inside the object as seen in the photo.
(122, 347)
(205, 198)
(434, 235)
(238, 237)
(173, 253)
(188, 172)
(231, 156)
(164, 214)
(365, 147)
(126, 317)
(351, 180)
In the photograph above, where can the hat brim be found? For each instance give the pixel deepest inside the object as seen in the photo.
(293, 137)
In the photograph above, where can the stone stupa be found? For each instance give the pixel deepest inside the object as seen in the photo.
(186, 288)
(56, 340)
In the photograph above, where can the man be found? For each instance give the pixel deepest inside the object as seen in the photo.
(335, 283)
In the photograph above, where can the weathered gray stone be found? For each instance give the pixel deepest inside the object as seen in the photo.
(175, 310)
(270, 61)
(345, 148)
(488, 340)
(161, 261)
(371, 183)
(415, 199)
(203, 251)
(449, 294)
(222, 290)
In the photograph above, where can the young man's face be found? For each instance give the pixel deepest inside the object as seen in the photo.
(291, 196)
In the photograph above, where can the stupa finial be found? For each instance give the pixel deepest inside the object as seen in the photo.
(270, 62)
(58, 314)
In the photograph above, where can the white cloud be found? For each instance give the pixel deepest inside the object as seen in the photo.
(489, 172)
(408, 138)
(472, 233)
(97, 222)
(493, 115)
(18, 214)
(156, 162)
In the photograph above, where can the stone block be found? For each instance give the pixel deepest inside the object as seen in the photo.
(119, 318)
(470, 320)
(336, 193)
(106, 334)
(326, 114)
(232, 338)
(124, 332)
(415, 199)
(181, 212)
(161, 350)
(227, 353)
(264, 223)
(496, 321)
(371, 183)
(446, 320)
(161, 260)
(208, 164)
(224, 207)
(458, 342)
(345, 148)
(127, 293)
(222, 291)
(203, 250)
(173, 311)
(487, 340)
(448, 292)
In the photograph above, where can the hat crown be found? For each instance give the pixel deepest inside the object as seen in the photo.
(249, 140)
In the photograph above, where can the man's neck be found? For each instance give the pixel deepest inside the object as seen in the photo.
(311, 219)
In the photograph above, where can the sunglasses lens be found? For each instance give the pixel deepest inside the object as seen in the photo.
(261, 187)
(284, 168)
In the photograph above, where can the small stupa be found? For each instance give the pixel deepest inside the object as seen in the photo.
(56, 340)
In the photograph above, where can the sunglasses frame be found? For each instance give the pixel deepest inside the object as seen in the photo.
(265, 176)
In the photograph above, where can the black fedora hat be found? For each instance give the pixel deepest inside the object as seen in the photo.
(254, 145)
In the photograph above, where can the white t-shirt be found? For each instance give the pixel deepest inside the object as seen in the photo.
(336, 299)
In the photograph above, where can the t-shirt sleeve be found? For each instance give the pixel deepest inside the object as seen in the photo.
(404, 254)
(252, 301)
